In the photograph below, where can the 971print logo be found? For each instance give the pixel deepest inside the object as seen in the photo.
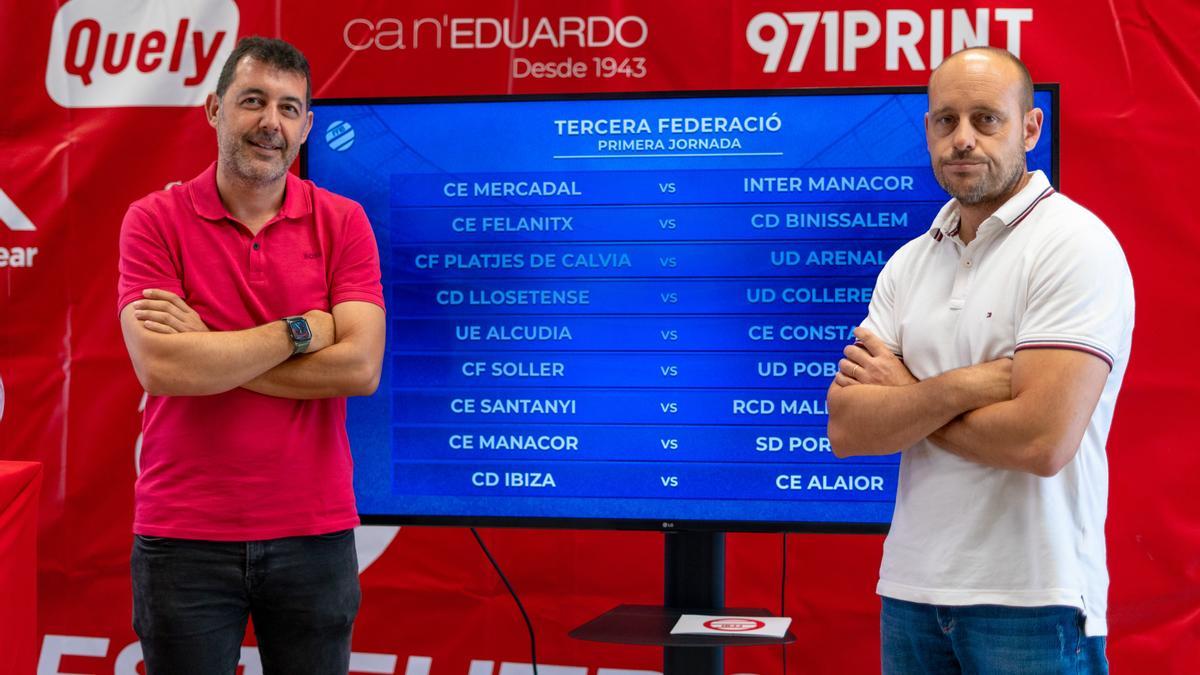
(106, 53)
(917, 41)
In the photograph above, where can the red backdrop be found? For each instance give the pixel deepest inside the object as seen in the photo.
(84, 131)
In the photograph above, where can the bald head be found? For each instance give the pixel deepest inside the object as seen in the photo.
(999, 61)
(980, 124)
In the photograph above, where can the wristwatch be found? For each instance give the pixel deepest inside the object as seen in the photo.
(299, 332)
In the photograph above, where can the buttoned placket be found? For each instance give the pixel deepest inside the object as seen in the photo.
(257, 267)
(968, 258)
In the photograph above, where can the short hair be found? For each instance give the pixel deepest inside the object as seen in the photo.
(269, 51)
(1026, 82)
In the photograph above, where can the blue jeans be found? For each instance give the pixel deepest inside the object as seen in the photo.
(191, 600)
(986, 639)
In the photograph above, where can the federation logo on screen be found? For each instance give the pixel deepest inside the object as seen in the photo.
(339, 135)
(108, 54)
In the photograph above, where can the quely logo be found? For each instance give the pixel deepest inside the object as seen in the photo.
(138, 52)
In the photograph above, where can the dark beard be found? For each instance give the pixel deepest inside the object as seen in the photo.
(982, 191)
(252, 172)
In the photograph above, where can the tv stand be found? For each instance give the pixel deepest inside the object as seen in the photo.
(693, 583)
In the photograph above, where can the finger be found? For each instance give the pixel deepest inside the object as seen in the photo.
(164, 306)
(166, 296)
(857, 354)
(849, 368)
(155, 312)
(871, 342)
(158, 294)
(158, 305)
(161, 318)
(159, 327)
(843, 380)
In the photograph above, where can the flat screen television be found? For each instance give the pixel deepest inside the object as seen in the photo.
(623, 311)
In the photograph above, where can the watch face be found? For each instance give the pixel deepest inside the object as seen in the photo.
(300, 331)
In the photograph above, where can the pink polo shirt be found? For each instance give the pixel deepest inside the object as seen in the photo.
(239, 465)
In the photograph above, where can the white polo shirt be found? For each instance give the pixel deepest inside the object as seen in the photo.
(1042, 272)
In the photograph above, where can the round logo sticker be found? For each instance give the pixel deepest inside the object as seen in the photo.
(731, 625)
(339, 135)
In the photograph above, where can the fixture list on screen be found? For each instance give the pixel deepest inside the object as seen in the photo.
(633, 332)
(596, 313)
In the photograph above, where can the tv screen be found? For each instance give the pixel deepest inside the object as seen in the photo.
(624, 311)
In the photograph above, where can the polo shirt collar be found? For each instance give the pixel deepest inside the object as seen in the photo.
(1010, 214)
(1013, 211)
(207, 201)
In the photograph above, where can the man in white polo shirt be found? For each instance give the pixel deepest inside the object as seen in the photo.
(991, 357)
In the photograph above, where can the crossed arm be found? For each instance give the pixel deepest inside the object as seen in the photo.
(175, 354)
(1027, 413)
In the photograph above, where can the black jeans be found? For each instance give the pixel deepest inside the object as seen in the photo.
(191, 600)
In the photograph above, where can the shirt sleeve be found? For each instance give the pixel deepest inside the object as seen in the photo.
(881, 313)
(1080, 297)
(145, 260)
(356, 275)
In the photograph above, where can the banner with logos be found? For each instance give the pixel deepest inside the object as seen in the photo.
(102, 106)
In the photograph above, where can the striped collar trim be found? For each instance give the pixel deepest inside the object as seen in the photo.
(1008, 212)
(939, 235)
(1029, 209)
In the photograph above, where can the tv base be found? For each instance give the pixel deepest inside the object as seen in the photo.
(651, 625)
(694, 583)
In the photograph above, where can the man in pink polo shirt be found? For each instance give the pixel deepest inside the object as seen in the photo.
(251, 306)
